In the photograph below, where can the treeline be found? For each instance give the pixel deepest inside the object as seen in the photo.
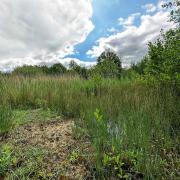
(108, 65)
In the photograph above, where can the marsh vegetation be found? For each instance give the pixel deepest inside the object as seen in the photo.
(104, 122)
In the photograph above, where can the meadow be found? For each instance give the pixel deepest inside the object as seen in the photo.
(133, 125)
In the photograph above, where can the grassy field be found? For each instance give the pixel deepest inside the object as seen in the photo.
(133, 126)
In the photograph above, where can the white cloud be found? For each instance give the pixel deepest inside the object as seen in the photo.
(131, 43)
(112, 30)
(34, 30)
(150, 8)
(129, 21)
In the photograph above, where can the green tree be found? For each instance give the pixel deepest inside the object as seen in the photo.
(108, 60)
(82, 71)
(57, 69)
(174, 5)
(28, 70)
(164, 58)
(107, 69)
(140, 66)
(110, 56)
(45, 69)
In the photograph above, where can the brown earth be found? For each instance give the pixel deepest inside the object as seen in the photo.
(56, 137)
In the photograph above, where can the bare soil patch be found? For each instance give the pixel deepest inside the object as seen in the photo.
(65, 157)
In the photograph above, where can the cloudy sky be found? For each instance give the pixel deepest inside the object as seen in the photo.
(36, 32)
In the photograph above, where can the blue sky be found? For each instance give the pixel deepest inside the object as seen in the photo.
(44, 32)
(105, 16)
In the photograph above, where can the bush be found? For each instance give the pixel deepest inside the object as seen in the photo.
(107, 69)
(28, 70)
(57, 69)
(163, 58)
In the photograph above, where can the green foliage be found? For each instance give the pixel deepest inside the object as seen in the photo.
(164, 59)
(174, 5)
(28, 70)
(75, 68)
(132, 115)
(6, 118)
(110, 56)
(74, 156)
(133, 125)
(27, 164)
(109, 64)
(107, 69)
(41, 115)
(5, 159)
(56, 69)
(140, 66)
(120, 165)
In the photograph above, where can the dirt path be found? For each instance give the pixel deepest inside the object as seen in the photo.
(64, 158)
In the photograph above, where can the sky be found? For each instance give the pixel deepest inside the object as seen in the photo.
(44, 32)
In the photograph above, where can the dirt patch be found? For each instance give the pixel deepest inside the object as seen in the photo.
(63, 151)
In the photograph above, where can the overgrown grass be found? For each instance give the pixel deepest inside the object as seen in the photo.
(135, 127)
(6, 118)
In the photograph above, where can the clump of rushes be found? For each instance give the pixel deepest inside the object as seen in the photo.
(6, 119)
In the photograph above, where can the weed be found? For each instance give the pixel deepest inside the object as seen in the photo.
(74, 156)
(5, 158)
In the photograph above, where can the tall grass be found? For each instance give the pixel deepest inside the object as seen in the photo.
(6, 120)
(134, 119)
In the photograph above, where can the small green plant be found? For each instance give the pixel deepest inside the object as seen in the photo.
(98, 116)
(74, 156)
(120, 165)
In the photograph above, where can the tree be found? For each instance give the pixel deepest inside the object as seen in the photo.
(163, 60)
(57, 69)
(112, 58)
(82, 71)
(174, 5)
(45, 69)
(107, 69)
(163, 57)
(28, 70)
(140, 66)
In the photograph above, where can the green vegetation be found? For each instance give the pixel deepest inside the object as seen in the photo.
(29, 162)
(6, 121)
(131, 116)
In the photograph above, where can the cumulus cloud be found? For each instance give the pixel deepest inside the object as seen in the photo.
(112, 30)
(33, 31)
(131, 43)
(128, 21)
(150, 8)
